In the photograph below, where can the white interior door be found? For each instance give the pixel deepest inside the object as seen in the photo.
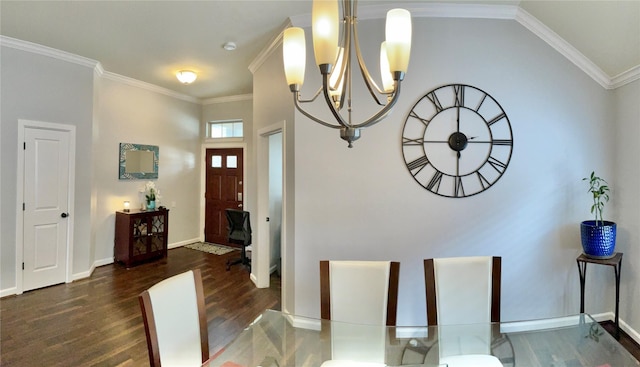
(46, 207)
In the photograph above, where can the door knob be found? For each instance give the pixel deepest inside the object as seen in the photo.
(64, 215)
(239, 205)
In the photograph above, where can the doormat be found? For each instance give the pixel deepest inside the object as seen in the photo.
(211, 248)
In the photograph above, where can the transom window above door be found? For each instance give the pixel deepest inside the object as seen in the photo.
(225, 129)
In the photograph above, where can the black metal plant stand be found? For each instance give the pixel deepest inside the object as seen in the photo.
(616, 263)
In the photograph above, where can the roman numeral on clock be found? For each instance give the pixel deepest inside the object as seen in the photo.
(435, 181)
(459, 91)
(436, 102)
(502, 142)
(407, 141)
(418, 164)
(497, 164)
(458, 188)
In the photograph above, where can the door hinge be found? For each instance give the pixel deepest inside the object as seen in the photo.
(22, 266)
(24, 145)
(23, 207)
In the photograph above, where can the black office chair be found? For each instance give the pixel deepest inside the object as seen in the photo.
(239, 232)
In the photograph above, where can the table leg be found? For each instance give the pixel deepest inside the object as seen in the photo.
(582, 269)
(618, 270)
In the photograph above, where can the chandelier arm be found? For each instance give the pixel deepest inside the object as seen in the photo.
(366, 76)
(383, 112)
(315, 96)
(345, 69)
(307, 114)
(327, 98)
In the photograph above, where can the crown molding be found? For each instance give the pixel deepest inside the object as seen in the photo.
(98, 70)
(563, 47)
(627, 77)
(237, 98)
(270, 48)
(47, 51)
(488, 11)
(150, 87)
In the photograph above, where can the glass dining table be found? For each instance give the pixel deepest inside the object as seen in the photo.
(276, 339)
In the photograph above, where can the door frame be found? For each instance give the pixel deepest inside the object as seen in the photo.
(203, 176)
(263, 252)
(71, 130)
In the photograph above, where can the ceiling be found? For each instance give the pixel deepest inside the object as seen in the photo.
(151, 40)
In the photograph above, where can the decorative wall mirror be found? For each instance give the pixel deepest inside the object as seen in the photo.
(138, 161)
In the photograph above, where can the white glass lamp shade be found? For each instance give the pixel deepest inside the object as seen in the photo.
(398, 38)
(325, 28)
(126, 205)
(336, 81)
(294, 55)
(186, 76)
(385, 72)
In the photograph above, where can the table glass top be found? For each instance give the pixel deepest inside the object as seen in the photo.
(276, 339)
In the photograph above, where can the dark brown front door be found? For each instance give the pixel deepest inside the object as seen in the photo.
(223, 190)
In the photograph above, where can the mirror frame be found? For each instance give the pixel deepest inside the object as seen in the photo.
(124, 148)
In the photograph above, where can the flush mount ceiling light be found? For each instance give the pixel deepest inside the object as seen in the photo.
(229, 46)
(186, 76)
(334, 46)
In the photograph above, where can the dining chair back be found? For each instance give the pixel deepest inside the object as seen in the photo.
(463, 299)
(175, 321)
(463, 290)
(362, 292)
(358, 292)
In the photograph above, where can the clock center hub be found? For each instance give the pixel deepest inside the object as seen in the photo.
(458, 141)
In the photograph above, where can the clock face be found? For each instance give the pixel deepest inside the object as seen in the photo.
(457, 141)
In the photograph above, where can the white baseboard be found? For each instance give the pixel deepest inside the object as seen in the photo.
(517, 326)
(182, 243)
(8, 292)
(87, 274)
(627, 329)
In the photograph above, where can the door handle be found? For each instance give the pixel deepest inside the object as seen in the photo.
(64, 215)
(239, 205)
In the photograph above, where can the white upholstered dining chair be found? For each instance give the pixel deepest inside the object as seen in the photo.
(464, 290)
(358, 292)
(175, 321)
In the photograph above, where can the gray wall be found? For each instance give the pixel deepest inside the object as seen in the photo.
(130, 114)
(106, 110)
(362, 203)
(626, 119)
(272, 105)
(42, 88)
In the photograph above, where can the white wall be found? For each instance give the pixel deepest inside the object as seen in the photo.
(272, 106)
(130, 114)
(63, 88)
(362, 203)
(625, 195)
(43, 88)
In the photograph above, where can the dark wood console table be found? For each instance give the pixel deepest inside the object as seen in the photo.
(141, 235)
(616, 262)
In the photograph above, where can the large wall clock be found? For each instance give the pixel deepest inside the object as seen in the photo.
(457, 141)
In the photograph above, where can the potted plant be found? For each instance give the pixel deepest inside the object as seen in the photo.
(598, 236)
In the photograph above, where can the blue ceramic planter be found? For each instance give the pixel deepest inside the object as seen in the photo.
(599, 241)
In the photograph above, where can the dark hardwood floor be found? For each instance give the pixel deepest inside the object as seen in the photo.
(97, 321)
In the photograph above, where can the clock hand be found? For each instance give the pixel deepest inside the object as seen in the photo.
(458, 119)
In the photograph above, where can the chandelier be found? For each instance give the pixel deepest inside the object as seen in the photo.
(334, 43)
